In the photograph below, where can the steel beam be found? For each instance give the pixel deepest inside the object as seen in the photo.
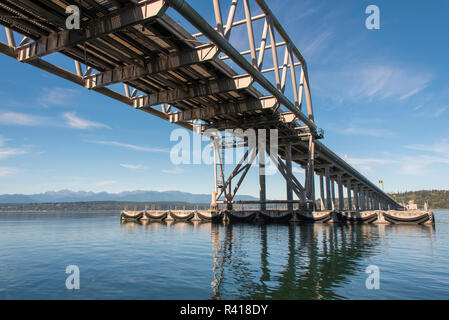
(154, 67)
(223, 109)
(296, 185)
(115, 21)
(192, 92)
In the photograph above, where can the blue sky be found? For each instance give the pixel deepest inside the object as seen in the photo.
(382, 97)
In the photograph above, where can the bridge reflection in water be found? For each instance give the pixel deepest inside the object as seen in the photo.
(309, 261)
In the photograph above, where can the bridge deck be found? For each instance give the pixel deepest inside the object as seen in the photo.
(168, 72)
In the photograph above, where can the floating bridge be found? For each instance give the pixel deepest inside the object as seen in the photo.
(195, 74)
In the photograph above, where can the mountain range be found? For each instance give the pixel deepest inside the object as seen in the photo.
(137, 195)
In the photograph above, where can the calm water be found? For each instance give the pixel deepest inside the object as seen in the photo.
(203, 261)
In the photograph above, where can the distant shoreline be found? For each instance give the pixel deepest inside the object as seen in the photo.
(98, 206)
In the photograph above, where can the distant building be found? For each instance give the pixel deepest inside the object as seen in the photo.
(411, 205)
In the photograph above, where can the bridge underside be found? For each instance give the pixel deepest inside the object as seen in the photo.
(199, 81)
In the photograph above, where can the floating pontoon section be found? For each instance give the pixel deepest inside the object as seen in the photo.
(282, 216)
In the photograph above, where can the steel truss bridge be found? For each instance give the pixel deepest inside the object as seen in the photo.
(201, 78)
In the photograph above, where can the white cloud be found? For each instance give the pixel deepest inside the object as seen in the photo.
(103, 183)
(175, 170)
(6, 171)
(71, 119)
(317, 44)
(411, 93)
(57, 97)
(418, 107)
(6, 152)
(133, 166)
(367, 132)
(440, 147)
(419, 164)
(436, 153)
(306, 11)
(367, 164)
(22, 119)
(3, 140)
(74, 121)
(440, 111)
(9, 152)
(127, 146)
(371, 82)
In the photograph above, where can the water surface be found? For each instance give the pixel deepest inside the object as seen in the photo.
(215, 261)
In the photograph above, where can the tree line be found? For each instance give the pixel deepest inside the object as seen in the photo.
(437, 199)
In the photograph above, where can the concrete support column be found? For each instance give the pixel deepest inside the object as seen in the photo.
(213, 202)
(349, 192)
(322, 192)
(341, 198)
(362, 199)
(370, 200)
(289, 175)
(356, 197)
(328, 189)
(334, 200)
(310, 174)
(262, 185)
(312, 193)
(365, 199)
